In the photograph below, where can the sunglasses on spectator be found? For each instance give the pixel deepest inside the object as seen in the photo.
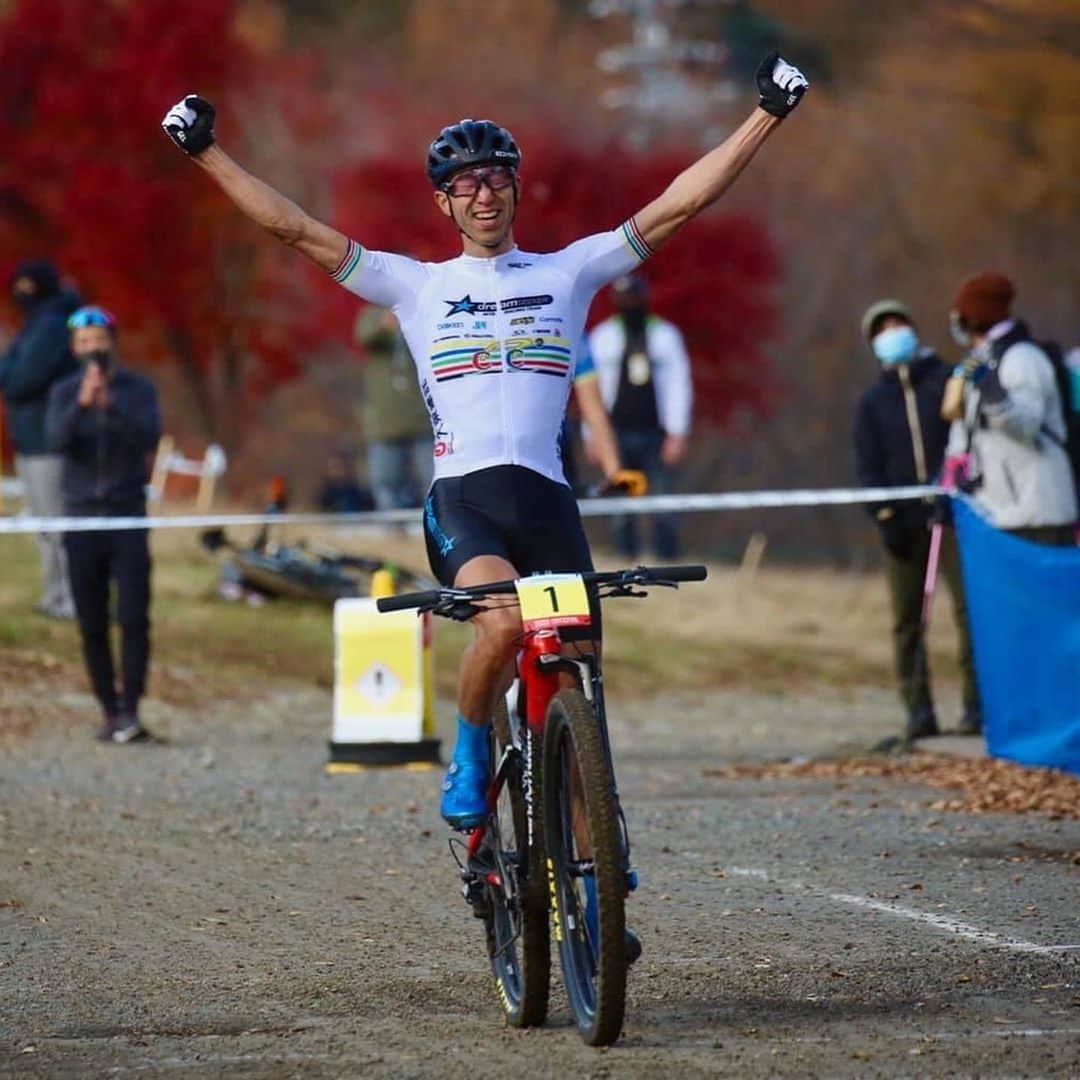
(467, 183)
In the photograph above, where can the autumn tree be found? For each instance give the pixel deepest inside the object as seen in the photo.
(87, 178)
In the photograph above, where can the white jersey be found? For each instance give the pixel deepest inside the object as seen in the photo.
(495, 340)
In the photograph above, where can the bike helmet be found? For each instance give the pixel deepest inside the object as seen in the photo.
(468, 143)
(92, 315)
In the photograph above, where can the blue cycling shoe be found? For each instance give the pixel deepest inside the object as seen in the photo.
(592, 917)
(464, 798)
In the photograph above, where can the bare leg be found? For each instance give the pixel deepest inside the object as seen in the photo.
(487, 664)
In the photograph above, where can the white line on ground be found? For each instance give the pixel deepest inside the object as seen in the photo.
(949, 925)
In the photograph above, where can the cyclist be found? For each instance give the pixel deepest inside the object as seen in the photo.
(494, 333)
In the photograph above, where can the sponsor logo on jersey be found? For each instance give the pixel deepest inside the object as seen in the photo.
(523, 320)
(450, 326)
(539, 355)
(465, 306)
(525, 303)
(468, 306)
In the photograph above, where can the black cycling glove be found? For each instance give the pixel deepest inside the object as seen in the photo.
(780, 85)
(190, 124)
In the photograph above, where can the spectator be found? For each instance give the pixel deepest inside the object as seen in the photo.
(1007, 415)
(644, 376)
(397, 427)
(35, 360)
(341, 494)
(900, 439)
(104, 421)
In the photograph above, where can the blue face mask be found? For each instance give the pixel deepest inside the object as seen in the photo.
(897, 345)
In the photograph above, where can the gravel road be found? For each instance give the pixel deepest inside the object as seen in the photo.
(220, 906)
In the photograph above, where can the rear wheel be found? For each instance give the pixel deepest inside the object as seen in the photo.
(518, 937)
(583, 837)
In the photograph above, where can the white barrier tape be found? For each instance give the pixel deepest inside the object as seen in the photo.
(605, 507)
(753, 500)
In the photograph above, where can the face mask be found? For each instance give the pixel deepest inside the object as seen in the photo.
(958, 330)
(24, 300)
(897, 345)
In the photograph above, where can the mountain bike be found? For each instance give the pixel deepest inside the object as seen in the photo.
(555, 830)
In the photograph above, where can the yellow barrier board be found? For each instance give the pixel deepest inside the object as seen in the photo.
(380, 683)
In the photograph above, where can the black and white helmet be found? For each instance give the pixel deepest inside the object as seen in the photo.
(468, 143)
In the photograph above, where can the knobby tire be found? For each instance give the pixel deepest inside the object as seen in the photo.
(523, 970)
(596, 987)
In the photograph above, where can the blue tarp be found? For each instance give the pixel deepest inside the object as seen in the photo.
(1024, 607)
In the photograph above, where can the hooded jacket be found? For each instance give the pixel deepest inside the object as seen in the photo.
(37, 357)
(1021, 469)
(900, 435)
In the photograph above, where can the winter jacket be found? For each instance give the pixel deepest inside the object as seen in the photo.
(1023, 477)
(105, 450)
(669, 362)
(35, 360)
(900, 436)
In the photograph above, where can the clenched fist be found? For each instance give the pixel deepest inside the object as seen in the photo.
(780, 85)
(190, 124)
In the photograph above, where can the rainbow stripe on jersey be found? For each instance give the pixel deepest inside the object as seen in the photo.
(537, 355)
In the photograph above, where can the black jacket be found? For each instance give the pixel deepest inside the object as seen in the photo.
(32, 364)
(885, 436)
(105, 450)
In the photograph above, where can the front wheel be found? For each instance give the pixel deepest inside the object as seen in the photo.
(584, 841)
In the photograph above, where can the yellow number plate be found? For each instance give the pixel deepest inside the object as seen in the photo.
(550, 600)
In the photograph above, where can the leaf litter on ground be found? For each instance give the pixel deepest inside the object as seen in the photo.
(982, 785)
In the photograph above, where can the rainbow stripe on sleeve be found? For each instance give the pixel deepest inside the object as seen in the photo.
(348, 264)
(632, 235)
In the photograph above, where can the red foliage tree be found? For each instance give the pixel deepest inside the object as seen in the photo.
(87, 178)
(715, 280)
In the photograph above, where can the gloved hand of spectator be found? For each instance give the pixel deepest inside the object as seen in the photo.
(954, 471)
(780, 85)
(190, 124)
(972, 368)
(894, 534)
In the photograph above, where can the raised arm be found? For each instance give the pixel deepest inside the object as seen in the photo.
(190, 124)
(780, 88)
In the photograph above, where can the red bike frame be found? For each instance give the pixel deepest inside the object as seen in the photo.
(539, 684)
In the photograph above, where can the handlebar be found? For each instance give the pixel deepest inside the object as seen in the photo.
(422, 600)
(459, 602)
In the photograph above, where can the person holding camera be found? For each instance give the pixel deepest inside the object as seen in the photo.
(104, 421)
(900, 439)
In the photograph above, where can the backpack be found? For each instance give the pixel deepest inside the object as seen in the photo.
(1070, 399)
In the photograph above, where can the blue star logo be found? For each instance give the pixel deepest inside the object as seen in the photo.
(466, 305)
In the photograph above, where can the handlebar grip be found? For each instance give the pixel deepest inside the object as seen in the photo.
(679, 573)
(408, 600)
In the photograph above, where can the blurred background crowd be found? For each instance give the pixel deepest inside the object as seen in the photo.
(942, 140)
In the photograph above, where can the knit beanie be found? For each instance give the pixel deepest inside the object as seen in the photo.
(877, 311)
(984, 300)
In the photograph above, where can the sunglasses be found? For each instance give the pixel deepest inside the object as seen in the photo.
(467, 183)
(92, 316)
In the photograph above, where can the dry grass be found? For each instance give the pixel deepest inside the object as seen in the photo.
(782, 630)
